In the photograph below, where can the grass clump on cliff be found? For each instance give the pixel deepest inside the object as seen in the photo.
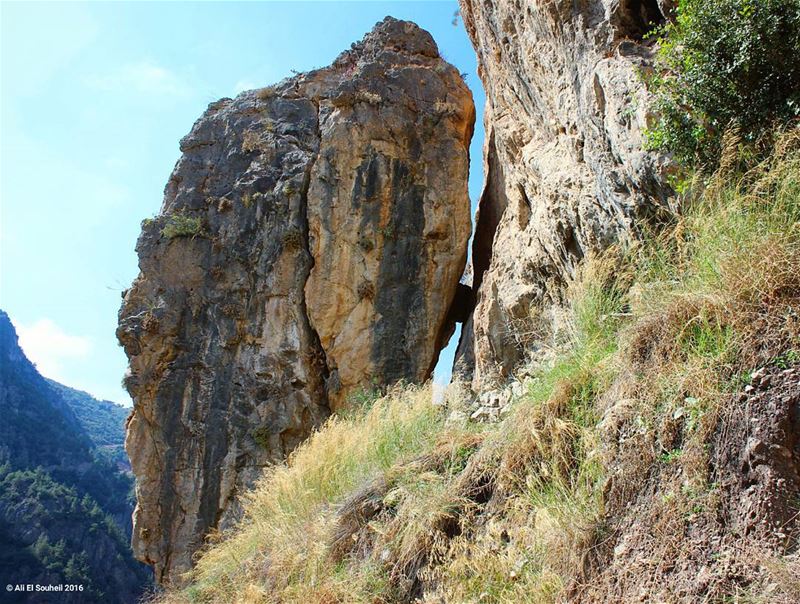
(181, 224)
(720, 65)
(403, 501)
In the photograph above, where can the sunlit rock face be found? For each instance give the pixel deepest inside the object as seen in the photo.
(565, 166)
(310, 244)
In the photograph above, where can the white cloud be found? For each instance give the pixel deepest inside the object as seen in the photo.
(49, 346)
(144, 77)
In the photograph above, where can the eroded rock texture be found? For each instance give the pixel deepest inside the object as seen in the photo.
(310, 243)
(566, 173)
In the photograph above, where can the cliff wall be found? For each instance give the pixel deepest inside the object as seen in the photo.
(566, 170)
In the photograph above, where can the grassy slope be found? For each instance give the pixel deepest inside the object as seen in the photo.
(396, 502)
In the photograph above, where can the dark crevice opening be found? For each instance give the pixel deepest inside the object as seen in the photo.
(320, 357)
(491, 206)
(459, 312)
(638, 17)
(490, 209)
(462, 305)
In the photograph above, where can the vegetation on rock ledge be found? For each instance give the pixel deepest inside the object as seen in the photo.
(181, 224)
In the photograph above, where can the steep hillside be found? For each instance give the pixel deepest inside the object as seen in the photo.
(102, 421)
(64, 507)
(39, 429)
(655, 457)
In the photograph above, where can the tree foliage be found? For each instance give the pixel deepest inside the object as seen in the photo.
(721, 65)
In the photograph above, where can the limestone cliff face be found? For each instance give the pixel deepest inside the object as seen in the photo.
(566, 173)
(310, 243)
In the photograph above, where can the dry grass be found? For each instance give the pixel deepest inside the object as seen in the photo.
(282, 541)
(784, 573)
(715, 298)
(732, 260)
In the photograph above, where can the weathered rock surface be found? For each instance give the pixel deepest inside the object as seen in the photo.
(566, 173)
(310, 243)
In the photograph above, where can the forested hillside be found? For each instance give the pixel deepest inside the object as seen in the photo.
(65, 507)
(102, 421)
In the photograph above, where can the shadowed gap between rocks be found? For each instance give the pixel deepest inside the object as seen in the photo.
(321, 359)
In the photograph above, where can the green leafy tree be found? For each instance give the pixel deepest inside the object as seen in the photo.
(725, 64)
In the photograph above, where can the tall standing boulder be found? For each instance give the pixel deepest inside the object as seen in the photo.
(310, 244)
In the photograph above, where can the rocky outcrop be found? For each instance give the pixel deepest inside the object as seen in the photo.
(310, 243)
(566, 173)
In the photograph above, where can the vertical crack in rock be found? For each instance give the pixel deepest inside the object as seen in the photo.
(309, 245)
(318, 353)
(566, 173)
(491, 205)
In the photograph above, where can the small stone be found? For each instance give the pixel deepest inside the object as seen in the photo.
(456, 418)
(480, 414)
(755, 448)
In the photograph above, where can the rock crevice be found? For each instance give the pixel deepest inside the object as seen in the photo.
(316, 345)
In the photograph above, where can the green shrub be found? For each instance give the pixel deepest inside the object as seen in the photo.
(721, 65)
(261, 436)
(293, 239)
(182, 225)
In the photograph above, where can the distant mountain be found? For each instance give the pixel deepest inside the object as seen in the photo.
(102, 421)
(65, 504)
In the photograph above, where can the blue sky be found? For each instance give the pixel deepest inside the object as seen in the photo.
(95, 97)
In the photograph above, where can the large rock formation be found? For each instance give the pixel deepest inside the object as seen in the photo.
(310, 243)
(566, 173)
